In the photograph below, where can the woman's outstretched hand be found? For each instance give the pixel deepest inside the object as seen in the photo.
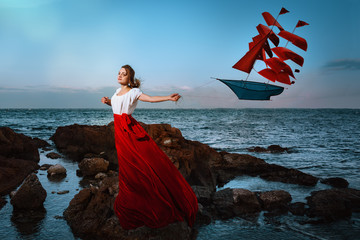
(106, 100)
(174, 97)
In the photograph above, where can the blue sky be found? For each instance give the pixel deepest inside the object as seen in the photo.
(66, 53)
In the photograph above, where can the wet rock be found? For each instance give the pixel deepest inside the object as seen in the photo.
(53, 155)
(77, 140)
(335, 182)
(275, 200)
(13, 172)
(281, 174)
(270, 149)
(2, 202)
(203, 217)
(203, 194)
(56, 169)
(63, 192)
(27, 221)
(45, 166)
(31, 194)
(16, 145)
(39, 143)
(100, 175)
(93, 166)
(297, 208)
(333, 204)
(235, 202)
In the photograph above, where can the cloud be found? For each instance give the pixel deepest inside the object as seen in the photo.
(343, 64)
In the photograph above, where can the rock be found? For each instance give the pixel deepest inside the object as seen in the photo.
(45, 166)
(297, 208)
(93, 166)
(19, 146)
(203, 194)
(333, 204)
(53, 155)
(235, 202)
(275, 200)
(232, 165)
(39, 143)
(2, 202)
(336, 182)
(56, 169)
(270, 149)
(245, 201)
(31, 194)
(202, 216)
(13, 172)
(282, 174)
(63, 192)
(100, 175)
(77, 140)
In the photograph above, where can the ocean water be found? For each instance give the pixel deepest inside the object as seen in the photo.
(323, 142)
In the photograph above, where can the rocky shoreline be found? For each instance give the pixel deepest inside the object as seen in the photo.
(90, 213)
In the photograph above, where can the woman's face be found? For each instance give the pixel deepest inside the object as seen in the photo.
(123, 77)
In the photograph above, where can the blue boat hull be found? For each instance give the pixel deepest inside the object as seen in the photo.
(248, 90)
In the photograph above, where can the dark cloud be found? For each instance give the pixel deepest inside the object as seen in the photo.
(343, 64)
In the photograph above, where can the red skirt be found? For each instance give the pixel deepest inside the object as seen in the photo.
(152, 192)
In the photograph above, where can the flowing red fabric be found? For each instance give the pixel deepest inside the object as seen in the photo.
(152, 192)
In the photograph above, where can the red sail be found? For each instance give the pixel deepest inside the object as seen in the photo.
(271, 21)
(301, 23)
(283, 78)
(285, 54)
(294, 39)
(283, 11)
(279, 66)
(264, 30)
(246, 63)
(269, 74)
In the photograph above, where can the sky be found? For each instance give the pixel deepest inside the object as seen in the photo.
(66, 53)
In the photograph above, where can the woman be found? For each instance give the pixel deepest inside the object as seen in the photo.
(152, 191)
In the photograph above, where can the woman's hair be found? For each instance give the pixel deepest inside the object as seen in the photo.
(134, 82)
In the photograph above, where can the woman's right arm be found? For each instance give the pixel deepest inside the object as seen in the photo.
(106, 100)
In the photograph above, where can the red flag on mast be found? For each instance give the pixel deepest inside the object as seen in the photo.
(301, 23)
(283, 11)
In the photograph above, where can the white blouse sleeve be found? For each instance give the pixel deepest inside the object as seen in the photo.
(136, 93)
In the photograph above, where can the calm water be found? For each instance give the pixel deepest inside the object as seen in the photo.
(323, 142)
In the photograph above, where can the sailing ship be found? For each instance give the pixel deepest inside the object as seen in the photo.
(276, 69)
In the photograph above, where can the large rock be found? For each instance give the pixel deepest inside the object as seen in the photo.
(336, 182)
(13, 172)
(235, 202)
(333, 204)
(90, 215)
(232, 165)
(16, 145)
(31, 195)
(56, 169)
(77, 140)
(275, 200)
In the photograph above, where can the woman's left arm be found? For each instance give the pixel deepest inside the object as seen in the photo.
(146, 98)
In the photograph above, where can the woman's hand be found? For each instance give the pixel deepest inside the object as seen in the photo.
(106, 100)
(174, 97)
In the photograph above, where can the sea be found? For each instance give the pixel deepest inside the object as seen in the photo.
(322, 142)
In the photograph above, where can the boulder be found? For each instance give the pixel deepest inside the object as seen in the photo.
(13, 171)
(336, 182)
(16, 145)
(31, 195)
(93, 166)
(56, 169)
(53, 155)
(333, 204)
(235, 202)
(270, 149)
(275, 200)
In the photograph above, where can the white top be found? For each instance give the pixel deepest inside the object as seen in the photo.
(125, 103)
